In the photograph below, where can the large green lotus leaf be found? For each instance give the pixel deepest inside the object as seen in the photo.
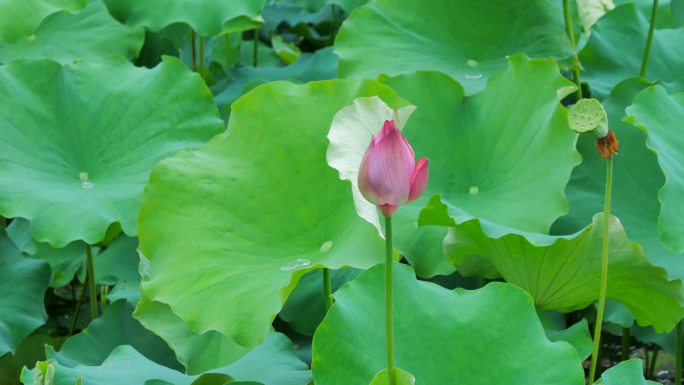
(563, 273)
(206, 17)
(74, 159)
(88, 35)
(273, 363)
(115, 327)
(661, 117)
(637, 177)
(461, 38)
(259, 207)
(607, 60)
(19, 18)
(630, 372)
(441, 336)
(197, 352)
(677, 7)
(23, 282)
(504, 154)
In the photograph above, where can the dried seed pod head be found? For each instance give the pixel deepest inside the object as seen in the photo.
(608, 145)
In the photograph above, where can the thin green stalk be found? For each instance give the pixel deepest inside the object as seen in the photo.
(104, 290)
(649, 39)
(77, 311)
(91, 282)
(193, 50)
(201, 55)
(229, 57)
(389, 286)
(626, 342)
(604, 270)
(255, 57)
(573, 45)
(654, 360)
(678, 354)
(327, 289)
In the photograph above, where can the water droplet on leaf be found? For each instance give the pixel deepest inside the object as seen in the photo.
(327, 245)
(473, 190)
(473, 76)
(472, 63)
(297, 264)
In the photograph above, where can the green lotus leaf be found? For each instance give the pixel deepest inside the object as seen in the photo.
(607, 60)
(563, 273)
(23, 283)
(630, 372)
(677, 7)
(19, 18)
(661, 117)
(197, 352)
(254, 221)
(74, 159)
(206, 17)
(576, 335)
(489, 155)
(461, 38)
(440, 335)
(305, 308)
(477, 158)
(273, 363)
(115, 327)
(87, 35)
(321, 65)
(637, 177)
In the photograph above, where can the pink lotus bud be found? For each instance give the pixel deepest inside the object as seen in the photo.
(389, 175)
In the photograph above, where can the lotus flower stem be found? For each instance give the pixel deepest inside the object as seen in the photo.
(575, 58)
(678, 354)
(389, 286)
(193, 50)
(604, 270)
(649, 39)
(92, 289)
(77, 311)
(255, 57)
(327, 289)
(626, 341)
(201, 56)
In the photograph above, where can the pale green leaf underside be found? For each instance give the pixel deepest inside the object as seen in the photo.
(441, 336)
(565, 273)
(661, 117)
(75, 159)
(461, 38)
(259, 207)
(88, 35)
(206, 17)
